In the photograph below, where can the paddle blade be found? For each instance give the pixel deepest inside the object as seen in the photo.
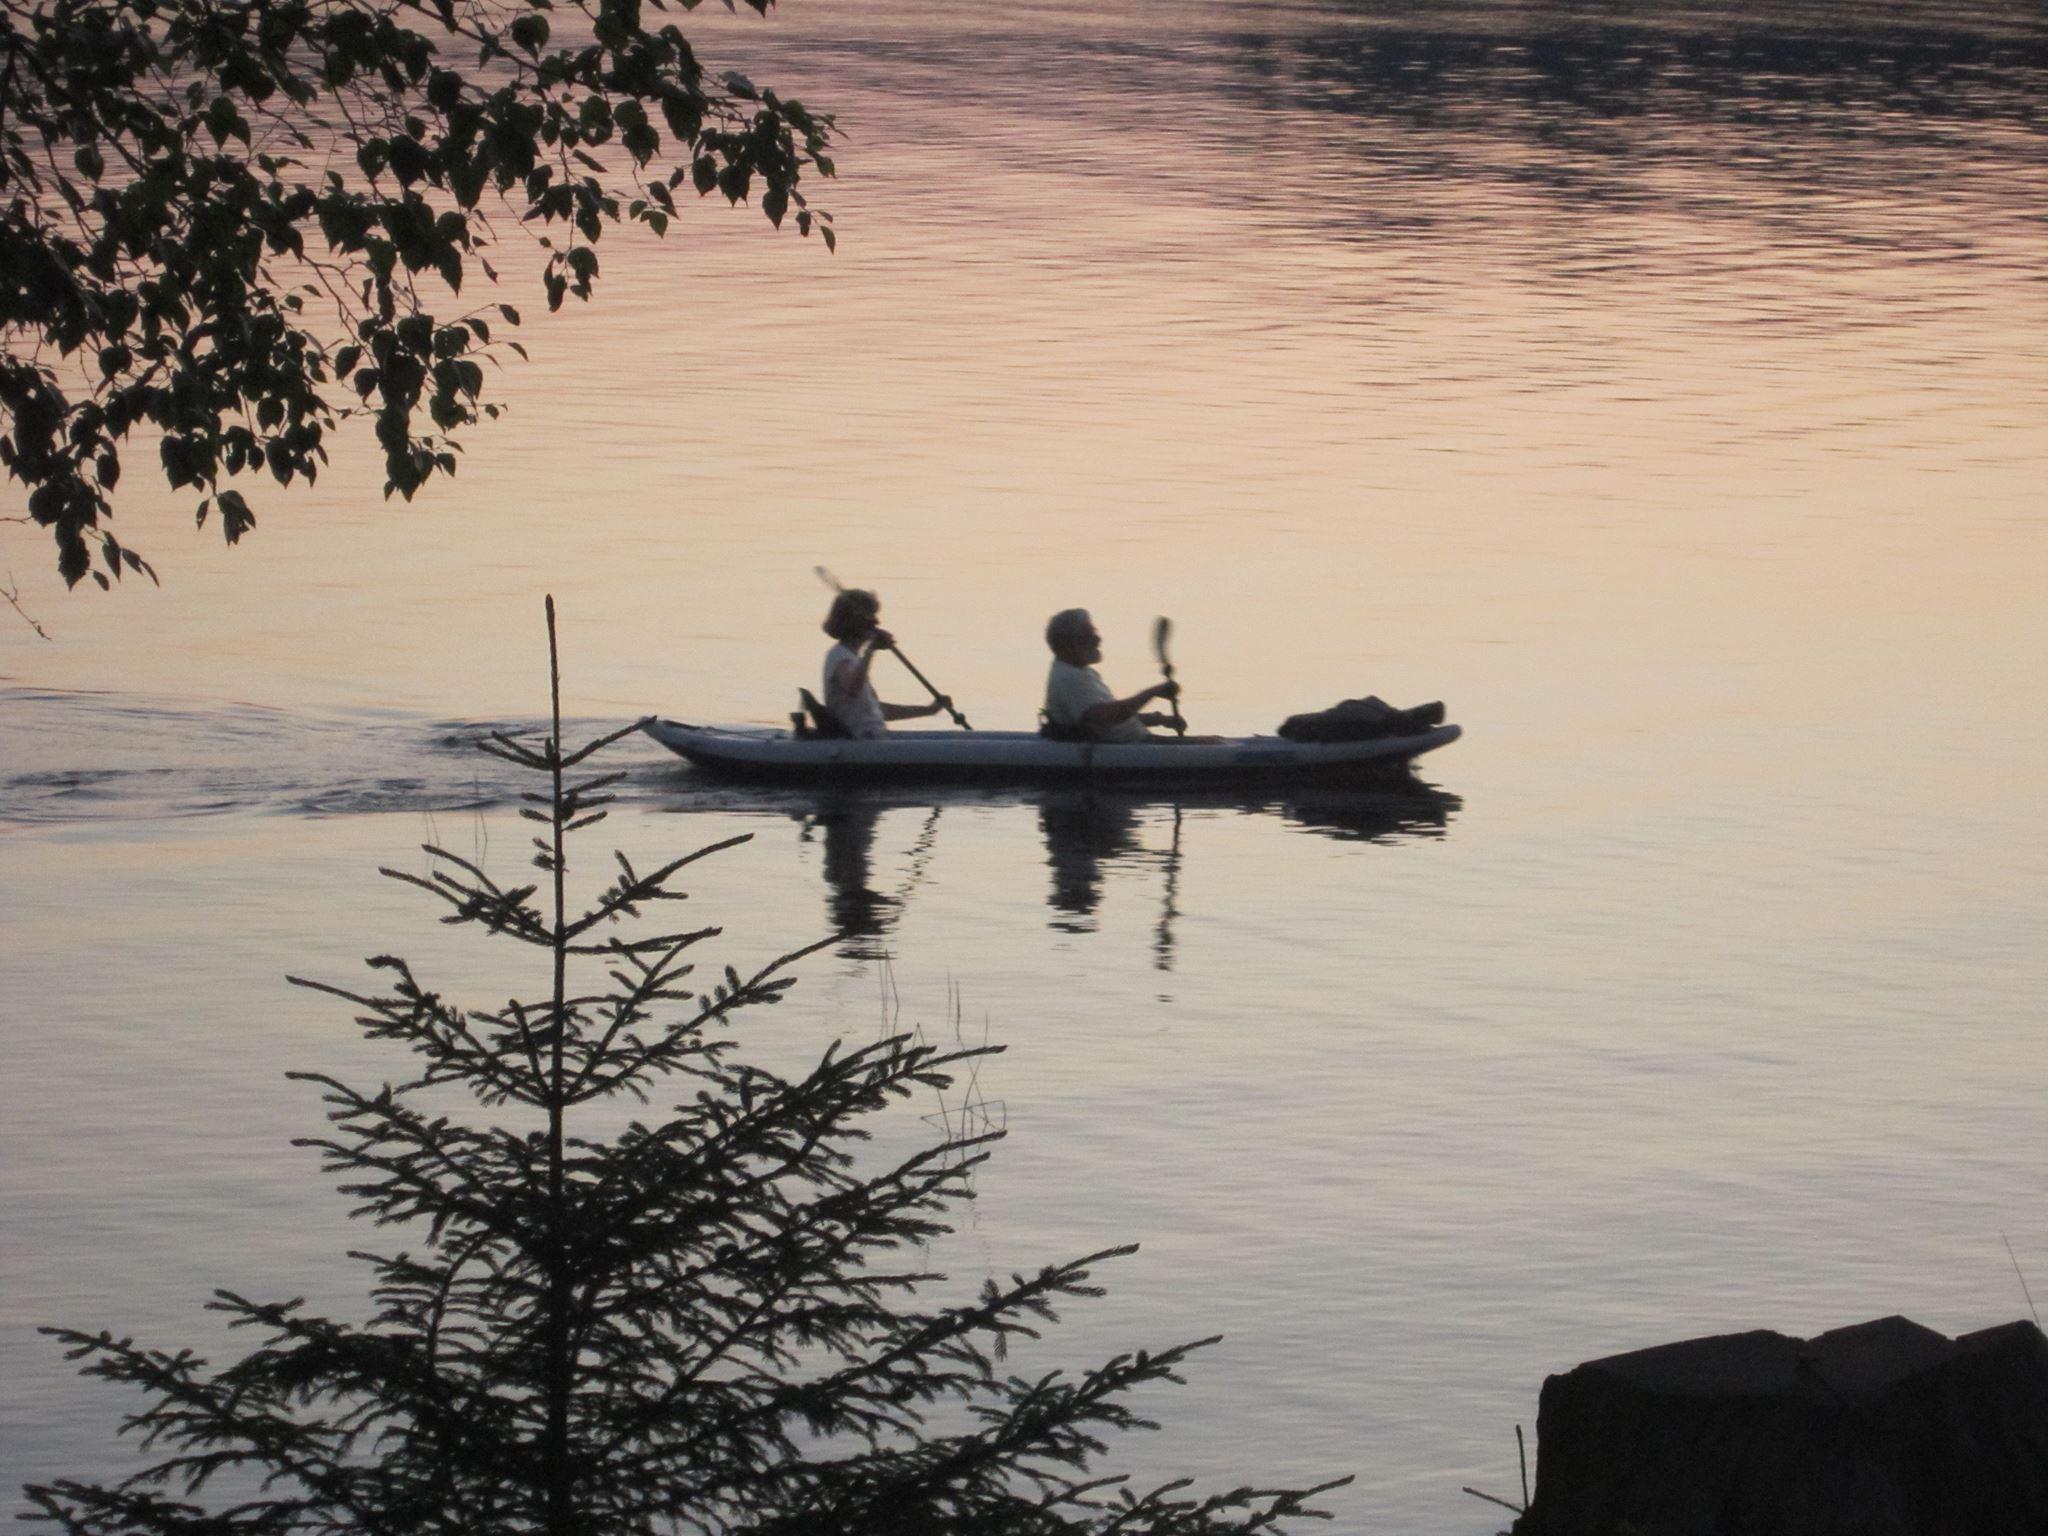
(828, 578)
(1162, 631)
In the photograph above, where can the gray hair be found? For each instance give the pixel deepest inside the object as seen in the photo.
(1067, 622)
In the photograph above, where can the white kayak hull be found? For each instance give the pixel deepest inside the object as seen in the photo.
(767, 756)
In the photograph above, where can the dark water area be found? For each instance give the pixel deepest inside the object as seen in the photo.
(1592, 111)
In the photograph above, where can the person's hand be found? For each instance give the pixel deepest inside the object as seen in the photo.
(881, 640)
(1166, 690)
(943, 704)
(1155, 719)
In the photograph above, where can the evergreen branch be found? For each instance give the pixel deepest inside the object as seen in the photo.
(216, 1423)
(864, 1397)
(590, 747)
(629, 1006)
(435, 1030)
(482, 901)
(623, 896)
(791, 1259)
(409, 1184)
(85, 1510)
(838, 1089)
(504, 747)
(661, 1056)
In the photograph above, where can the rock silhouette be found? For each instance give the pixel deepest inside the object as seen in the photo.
(1881, 1429)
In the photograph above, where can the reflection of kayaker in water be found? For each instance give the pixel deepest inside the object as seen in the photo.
(1083, 833)
(1078, 701)
(857, 910)
(849, 694)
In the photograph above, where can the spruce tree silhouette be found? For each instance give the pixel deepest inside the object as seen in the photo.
(709, 1322)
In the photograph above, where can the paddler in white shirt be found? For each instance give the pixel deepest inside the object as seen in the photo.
(1076, 697)
(849, 694)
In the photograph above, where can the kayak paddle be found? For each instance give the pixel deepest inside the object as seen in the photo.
(1162, 631)
(958, 718)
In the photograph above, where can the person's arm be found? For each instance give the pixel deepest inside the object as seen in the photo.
(1117, 711)
(849, 677)
(915, 711)
(853, 676)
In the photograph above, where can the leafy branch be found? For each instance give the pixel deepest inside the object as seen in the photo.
(238, 224)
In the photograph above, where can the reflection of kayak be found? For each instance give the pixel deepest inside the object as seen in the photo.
(1011, 757)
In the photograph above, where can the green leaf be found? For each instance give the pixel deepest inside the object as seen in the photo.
(530, 32)
(466, 177)
(224, 122)
(235, 517)
(409, 160)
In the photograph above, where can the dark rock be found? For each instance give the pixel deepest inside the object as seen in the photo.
(1883, 1429)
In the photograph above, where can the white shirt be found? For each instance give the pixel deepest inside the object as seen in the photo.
(1071, 691)
(860, 711)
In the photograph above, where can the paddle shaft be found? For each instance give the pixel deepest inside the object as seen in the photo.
(911, 667)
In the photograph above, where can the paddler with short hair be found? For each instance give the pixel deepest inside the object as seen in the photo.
(1076, 697)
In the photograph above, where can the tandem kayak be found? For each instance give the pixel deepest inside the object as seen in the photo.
(769, 756)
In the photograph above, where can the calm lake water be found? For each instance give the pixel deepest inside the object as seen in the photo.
(1665, 388)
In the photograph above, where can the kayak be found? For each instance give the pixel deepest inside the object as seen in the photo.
(770, 756)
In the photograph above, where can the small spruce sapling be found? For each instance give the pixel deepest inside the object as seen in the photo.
(713, 1321)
